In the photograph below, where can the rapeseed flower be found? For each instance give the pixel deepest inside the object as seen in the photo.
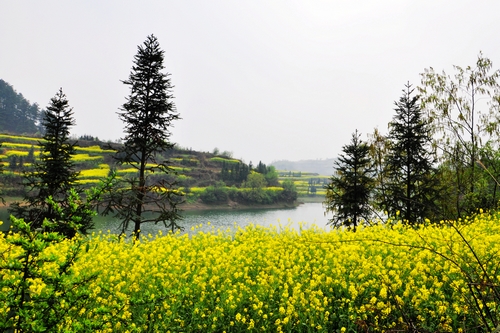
(260, 277)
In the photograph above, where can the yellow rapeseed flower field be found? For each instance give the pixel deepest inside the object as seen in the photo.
(16, 153)
(16, 145)
(101, 172)
(21, 138)
(85, 157)
(380, 278)
(95, 149)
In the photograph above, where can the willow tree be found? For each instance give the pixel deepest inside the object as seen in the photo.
(464, 108)
(148, 115)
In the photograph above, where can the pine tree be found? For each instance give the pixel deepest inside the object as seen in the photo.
(411, 185)
(56, 168)
(348, 194)
(53, 177)
(148, 115)
(261, 168)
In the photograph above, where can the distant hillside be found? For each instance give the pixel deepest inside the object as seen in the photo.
(194, 171)
(17, 114)
(94, 160)
(322, 167)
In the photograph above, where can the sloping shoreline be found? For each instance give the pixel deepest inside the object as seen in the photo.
(231, 205)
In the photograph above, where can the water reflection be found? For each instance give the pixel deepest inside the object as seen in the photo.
(308, 214)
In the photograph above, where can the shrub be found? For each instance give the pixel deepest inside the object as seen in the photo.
(215, 195)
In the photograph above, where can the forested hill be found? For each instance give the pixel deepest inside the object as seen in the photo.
(322, 167)
(17, 114)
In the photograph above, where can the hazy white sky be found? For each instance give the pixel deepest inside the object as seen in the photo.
(264, 79)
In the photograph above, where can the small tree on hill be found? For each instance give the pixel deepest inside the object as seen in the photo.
(148, 115)
(289, 194)
(30, 158)
(13, 162)
(348, 194)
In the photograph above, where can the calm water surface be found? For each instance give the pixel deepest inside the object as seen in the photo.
(306, 214)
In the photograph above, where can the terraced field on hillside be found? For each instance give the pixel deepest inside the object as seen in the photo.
(193, 170)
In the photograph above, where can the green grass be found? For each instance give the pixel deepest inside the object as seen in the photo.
(222, 159)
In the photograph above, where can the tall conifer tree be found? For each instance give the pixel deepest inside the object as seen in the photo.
(148, 115)
(348, 193)
(411, 186)
(53, 175)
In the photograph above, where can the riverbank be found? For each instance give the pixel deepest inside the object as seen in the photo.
(232, 205)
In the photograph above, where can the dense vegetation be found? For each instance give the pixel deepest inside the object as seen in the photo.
(195, 172)
(440, 159)
(386, 277)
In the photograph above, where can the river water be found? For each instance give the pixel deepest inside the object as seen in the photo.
(305, 214)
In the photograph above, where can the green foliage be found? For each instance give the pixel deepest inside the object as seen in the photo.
(12, 162)
(411, 185)
(489, 161)
(221, 194)
(30, 158)
(193, 162)
(41, 290)
(53, 178)
(289, 193)
(55, 172)
(148, 115)
(270, 173)
(348, 194)
(255, 181)
(224, 160)
(217, 194)
(271, 176)
(234, 173)
(464, 110)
